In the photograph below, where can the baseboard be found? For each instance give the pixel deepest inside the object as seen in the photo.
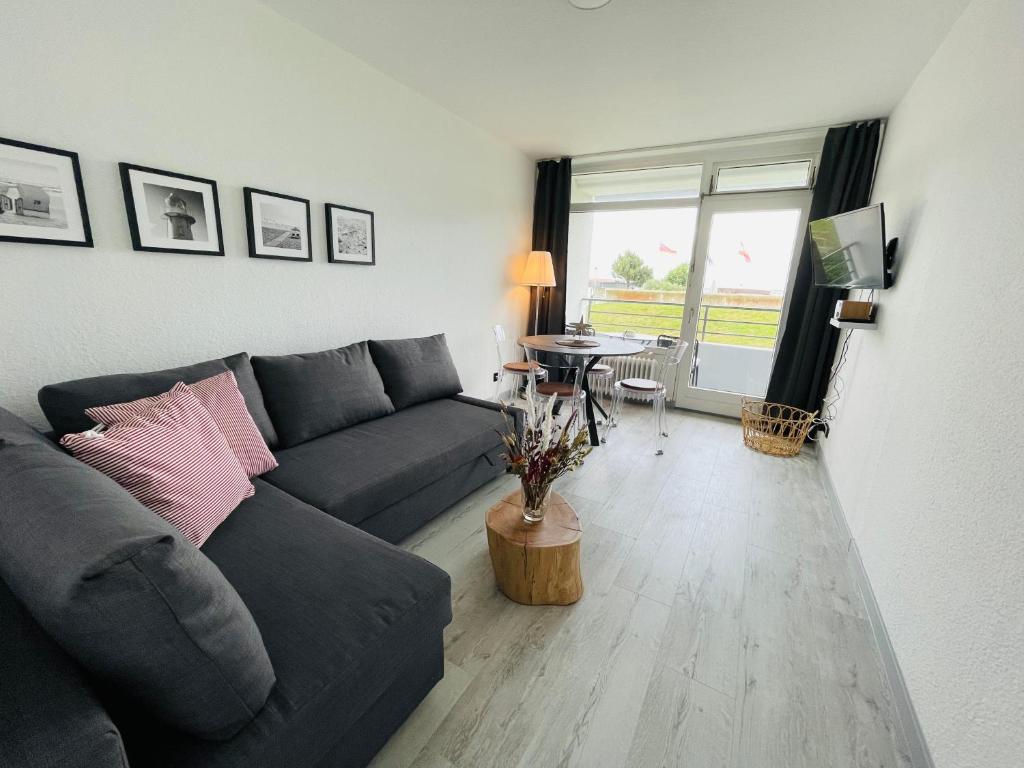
(917, 747)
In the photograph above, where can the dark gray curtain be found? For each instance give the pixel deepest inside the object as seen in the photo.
(551, 233)
(808, 347)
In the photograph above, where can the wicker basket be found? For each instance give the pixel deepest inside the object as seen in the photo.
(773, 428)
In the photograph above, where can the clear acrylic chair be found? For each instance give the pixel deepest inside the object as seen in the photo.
(666, 361)
(518, 370)
(570, 392)
(597, 378)
(598, 373)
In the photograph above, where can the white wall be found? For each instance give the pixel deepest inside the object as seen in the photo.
(231, 91)
(928, 453)
(577, 272)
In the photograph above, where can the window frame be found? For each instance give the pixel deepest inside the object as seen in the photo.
(810, 158)
(635, 205)
(653, 203)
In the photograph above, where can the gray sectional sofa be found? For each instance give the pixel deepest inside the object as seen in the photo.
(299, 635)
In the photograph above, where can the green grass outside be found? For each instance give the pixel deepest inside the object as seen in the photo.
(724, 323)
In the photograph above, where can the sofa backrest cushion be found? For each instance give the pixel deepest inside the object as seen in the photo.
(311, 394)
(64, 404)
(416, 370)
(127, 596)
(14, 431)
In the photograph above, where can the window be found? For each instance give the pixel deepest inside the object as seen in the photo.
(628, 270)
(635, 234)
(631, 239)
(676, 183)
(759, 178)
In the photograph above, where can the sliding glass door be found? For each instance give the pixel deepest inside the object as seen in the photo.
(736, 298)
(700, 244)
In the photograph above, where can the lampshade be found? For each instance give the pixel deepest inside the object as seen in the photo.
(539, 270)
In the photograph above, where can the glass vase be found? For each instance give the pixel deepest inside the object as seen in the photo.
(535, 501)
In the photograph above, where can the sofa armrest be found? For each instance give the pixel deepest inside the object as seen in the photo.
(517, 414)
(51, 716)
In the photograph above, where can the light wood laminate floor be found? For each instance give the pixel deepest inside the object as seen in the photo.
(719, 624)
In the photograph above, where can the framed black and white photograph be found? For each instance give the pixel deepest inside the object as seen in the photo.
(277, 225)
(171, 212)
(349, 235)
(41, 196)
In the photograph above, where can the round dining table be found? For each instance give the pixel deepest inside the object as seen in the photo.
(583, 360)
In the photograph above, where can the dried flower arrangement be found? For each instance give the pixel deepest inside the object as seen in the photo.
(543, 451)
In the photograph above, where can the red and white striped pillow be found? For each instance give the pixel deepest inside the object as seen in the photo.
(173, 459)
(220, 396)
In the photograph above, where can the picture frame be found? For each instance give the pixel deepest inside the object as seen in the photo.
(42, 198)
(171, 212)
(350, 235)
(277, 226)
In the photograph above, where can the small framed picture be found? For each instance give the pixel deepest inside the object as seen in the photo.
(171, 212)
(41, 196)
(278, 226)
(349, 235)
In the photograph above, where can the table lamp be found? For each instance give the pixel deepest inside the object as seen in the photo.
(539, 273)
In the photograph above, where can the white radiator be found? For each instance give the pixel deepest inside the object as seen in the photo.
(640, 366)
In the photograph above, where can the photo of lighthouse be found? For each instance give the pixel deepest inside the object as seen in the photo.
(175, 213)
(171, 212)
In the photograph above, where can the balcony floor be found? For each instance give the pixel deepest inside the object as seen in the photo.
(720, 625)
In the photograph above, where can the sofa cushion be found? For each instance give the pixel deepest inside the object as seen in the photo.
(311, 394)
(397, 521)
(64, 404)
(223, 400)
(339, 611)
(128, 596)
(173, 458)
(355, 473)
(50, 714)
(416, 370)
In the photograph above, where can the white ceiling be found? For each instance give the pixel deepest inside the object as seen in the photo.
(554, 80)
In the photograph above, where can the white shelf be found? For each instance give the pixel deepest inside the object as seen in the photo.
(858, 325)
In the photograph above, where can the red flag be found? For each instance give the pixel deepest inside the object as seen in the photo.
(744, 252)
(662, 248)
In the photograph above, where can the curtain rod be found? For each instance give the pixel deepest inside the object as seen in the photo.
(705, 142)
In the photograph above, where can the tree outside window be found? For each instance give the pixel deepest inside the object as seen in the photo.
(631, 269)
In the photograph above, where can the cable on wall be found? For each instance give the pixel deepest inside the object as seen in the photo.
(836, 384)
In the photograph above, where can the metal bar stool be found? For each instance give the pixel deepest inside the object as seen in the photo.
(518, 370)
(650, 390)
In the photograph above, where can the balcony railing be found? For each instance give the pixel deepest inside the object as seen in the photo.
(716, 323)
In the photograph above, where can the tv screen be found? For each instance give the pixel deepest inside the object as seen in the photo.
(849, 249)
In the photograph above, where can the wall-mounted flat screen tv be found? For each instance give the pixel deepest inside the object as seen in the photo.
(849, 249)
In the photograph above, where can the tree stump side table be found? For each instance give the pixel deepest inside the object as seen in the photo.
(536, 563)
